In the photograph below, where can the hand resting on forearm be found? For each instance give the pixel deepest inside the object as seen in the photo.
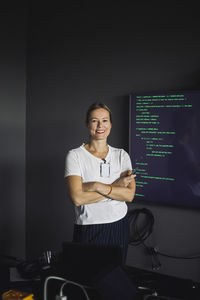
(123, 189)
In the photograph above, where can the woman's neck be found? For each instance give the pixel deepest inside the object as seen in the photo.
(97, 148)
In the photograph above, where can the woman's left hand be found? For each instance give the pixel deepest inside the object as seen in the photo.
(123, 181)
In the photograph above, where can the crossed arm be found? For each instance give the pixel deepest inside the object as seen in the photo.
(123, 189)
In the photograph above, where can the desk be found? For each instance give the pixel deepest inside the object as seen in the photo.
(167, 287)
(11, 279)
(164, 285)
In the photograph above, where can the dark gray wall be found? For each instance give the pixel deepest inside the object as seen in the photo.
(12, 130)
(88, 52)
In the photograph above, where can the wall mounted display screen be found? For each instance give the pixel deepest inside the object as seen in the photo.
(165, 147)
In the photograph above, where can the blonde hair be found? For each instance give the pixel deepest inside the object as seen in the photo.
(94, 106)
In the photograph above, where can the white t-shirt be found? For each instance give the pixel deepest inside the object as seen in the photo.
(82, 163)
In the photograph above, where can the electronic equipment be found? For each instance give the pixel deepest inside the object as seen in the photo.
(83, 263)
(165, 147)
(13, 295)
(100, 267)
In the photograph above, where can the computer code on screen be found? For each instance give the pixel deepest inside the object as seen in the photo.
(165, 147)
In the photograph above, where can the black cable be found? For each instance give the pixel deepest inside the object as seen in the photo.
(138, 236)
(177, 257)
(9, 257)
(139, 233)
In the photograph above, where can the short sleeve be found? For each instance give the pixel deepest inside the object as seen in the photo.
(126, 162)
(72, 166)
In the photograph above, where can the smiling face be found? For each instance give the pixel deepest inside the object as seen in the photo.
(99, 124)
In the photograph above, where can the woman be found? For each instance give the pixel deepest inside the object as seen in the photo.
(99, 182)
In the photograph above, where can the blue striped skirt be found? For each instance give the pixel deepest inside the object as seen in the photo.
(115, 234)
